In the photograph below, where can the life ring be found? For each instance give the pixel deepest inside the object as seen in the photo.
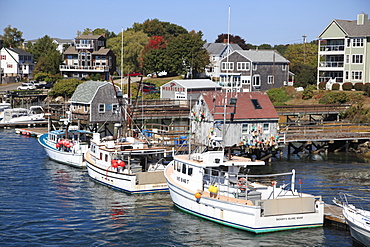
(242, 184)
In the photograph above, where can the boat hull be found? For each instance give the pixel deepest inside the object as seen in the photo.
(117, 180)
(359, 226)
(68, 158)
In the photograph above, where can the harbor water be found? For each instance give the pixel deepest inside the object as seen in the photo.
(43, 203)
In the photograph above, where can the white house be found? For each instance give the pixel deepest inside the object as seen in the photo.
(16, 63)
(60, 43)
(186, 89)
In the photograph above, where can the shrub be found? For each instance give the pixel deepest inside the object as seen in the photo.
(277, 95)
(359, 86)
(347, 86)
(322, 85)
(366, 89)
(334, 98)
(335, 86)
(308, 92)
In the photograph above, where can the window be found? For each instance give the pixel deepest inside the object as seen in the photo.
(358, 42)
(227, 66)
(254, 66)
(101, 108)
(86, 108)
(183, 168)
(9, 66)
(79, 107)
(347, 75)
(357, 58)
(266, 128)
(283, 67)
(256, 81)
(256, 104)
(244, 128)
(347, 58)
(356, 75)
(348, 42)
(115, 108)
(243, 66)
(3, 57)
(270, 79)
(190, 171)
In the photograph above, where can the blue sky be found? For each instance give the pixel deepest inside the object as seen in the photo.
(258, 22)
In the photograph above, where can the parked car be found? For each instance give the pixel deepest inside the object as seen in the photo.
(26, 86)
(134, 74)
(36, 84)
(48, 85)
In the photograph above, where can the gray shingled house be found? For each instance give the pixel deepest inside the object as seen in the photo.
(96, 102)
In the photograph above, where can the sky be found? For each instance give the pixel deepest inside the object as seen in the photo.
(258, 22)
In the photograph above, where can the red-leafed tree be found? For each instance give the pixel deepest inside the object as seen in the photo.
(154, 54)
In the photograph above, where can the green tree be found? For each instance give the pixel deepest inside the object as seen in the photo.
(154, 27)
(304, 75)
(277, 95)
(185, 53)
(133, 45)
(12, 37)
(154, 55)
(302, 54)
(46, 55)
(64, 88)
(98, 31)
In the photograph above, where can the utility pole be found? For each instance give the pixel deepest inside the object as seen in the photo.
(304, 48)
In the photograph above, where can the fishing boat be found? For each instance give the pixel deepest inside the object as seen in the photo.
(67, 146)
(128, 164)
(22, 115)
(357, 217)
(3, 106)
(219, 189)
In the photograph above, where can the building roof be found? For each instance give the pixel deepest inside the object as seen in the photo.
(218, 48)
(352, 29)
(249, 106)
(89, 36)
(260, 56)
(195, 83)
(101, 51)
(86, 91)
(71, 50)
(18, 51)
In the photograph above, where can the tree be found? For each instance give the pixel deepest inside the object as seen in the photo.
(222, 38)
(97, 31)
(155, 27)
(133, 45)
(304, 75)
(64, 88)
(185, 53)
(46, 55)
(12, 37)
(302, 54)
(154, 54)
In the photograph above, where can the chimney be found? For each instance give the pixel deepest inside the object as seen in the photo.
(362, 18)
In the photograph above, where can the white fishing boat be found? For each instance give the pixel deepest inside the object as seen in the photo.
(4, 106)
(67, 147)
(218, 189)
(357, 217)
(22, 115)
(127, 164)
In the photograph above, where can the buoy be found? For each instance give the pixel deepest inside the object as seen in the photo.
(198, 195)
(273, 182)
(57, 145)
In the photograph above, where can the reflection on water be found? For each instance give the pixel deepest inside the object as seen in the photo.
(44, 203)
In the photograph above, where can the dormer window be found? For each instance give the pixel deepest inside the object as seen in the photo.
(256, 104)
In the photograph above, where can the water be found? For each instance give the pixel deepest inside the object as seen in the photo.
(43, 203)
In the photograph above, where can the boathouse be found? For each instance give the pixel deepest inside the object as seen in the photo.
(244, 119)
(96, 103)
(187, 89)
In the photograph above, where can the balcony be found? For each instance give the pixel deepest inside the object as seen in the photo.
(84, 68)
(334, 80)
(332, 49)
(84, 46)
(337, 65)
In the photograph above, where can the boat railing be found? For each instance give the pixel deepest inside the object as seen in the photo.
(356, 201)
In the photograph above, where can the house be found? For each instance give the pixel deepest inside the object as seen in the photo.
(88, 56)
(343, 51)
(96, 103)
(234, 119)
(15, 64)
(216, 52)
(61, 43)
(187, 89)
(253, 70)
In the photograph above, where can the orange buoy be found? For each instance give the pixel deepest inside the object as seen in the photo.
(198, 195)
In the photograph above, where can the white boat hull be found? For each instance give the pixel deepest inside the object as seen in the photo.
(241, 216)
(68, 158)
(116, 179)
(359, 224)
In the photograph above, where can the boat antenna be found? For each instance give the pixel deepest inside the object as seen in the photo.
(122, 61)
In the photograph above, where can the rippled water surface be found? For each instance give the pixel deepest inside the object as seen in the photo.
(43, 203)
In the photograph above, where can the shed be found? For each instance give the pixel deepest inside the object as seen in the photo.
(186, 89)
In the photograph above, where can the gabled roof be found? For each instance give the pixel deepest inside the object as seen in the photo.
(195, 83)
(350, 28)
(86, 91)
(217, 49)
(71, 50)
(245, 108)
(101, 51)
(18, 51)
(260, 56)
(89, 36)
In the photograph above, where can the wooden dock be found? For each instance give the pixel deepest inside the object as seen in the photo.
(333, 217)
(32, 132)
